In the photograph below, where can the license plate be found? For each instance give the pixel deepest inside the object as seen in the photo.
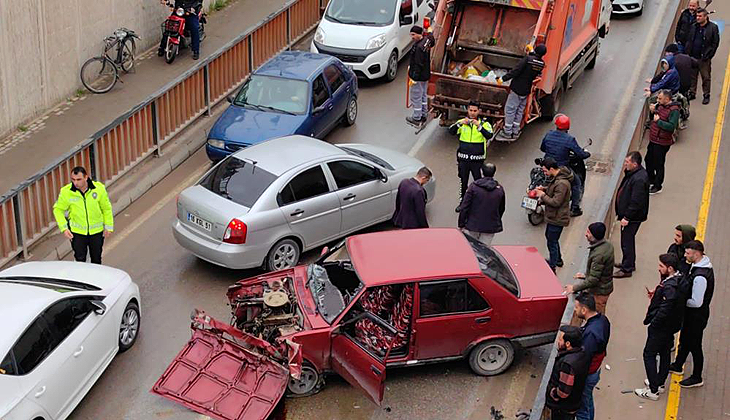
(529, 203)
(200, 222)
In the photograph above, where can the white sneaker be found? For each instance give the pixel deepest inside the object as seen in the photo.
(662, 389)
(646, 394)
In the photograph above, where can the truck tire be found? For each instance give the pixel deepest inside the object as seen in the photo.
(550, 104)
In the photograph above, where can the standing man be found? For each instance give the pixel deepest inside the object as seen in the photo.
(663, 318)
(682, 235)
(703, 39)
(686, 66)
(474, 135)
(661, 138)
(595, 332)
(410, 203)
(632, 208)
(191, 22)
(598, 278)
(480, 213)
(558, 144)
(522, 77)
(90, 218)
(565, 389)
(419, 71)
(686, 19)
(696, 314)
(556, 198)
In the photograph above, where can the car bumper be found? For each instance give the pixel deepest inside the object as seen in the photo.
(627, 8)
(373, 66)
(223, 254)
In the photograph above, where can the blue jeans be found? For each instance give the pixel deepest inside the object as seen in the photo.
(552, 234)
(587, 409)
(193, 25)
(576, 192)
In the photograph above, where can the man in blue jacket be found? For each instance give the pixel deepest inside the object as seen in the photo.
(667, 79)
(558, 144)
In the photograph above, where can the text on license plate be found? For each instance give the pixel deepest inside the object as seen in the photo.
(529, 203)
(200, 222)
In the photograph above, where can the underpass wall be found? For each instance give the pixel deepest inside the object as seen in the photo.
(43, 44)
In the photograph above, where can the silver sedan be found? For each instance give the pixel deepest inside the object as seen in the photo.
(266, 204)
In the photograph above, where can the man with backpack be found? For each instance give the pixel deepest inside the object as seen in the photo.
(661, 138)
(663, 318)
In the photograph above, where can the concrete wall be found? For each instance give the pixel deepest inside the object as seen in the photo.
(43, 44)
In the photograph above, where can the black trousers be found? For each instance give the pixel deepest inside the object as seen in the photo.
(466, 167)
(657, 343)
(690, 341)
(656, 155)
(92, 244)
(556, 414)
(628, 246)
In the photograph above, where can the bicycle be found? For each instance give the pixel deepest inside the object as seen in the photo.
(100, 74)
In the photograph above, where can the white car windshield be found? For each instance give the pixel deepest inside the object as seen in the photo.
(362, 12)
(276, 94)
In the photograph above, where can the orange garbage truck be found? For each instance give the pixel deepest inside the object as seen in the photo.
(478, 41)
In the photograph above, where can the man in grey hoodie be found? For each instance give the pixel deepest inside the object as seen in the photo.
(480, 213)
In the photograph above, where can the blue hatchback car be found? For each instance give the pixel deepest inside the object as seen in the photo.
(295, 92)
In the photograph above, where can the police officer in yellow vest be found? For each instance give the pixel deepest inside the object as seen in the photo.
(90, 217)
(474, 134)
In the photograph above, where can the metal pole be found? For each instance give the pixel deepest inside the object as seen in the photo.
(288, 27)
(20, 223)
(93, 158)
(155, 128)
(206, 79)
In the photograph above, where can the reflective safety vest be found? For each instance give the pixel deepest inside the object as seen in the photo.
(88, 213)
(472, 143)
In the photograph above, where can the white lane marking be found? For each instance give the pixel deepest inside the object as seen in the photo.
(116, 239)
(422, 138)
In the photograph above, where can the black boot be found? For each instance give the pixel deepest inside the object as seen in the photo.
(196, 55)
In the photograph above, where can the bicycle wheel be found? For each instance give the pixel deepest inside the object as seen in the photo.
(129, 50)
(99, 74)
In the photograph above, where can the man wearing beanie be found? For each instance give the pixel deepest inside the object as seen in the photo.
(419, 71)
(522, 77)
(686, 67)
(598, 278)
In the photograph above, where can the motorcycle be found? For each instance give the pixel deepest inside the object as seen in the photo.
(535, 210)
(177, 34)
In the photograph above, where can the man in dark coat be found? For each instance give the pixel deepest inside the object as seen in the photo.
(410, 203)
(480, 213)
(686, 19)
(564, 391)
(632, 208)
(664, 319)
(702, 42)
(682, 235)
(419, 71)
(522, 76)
(686, 66)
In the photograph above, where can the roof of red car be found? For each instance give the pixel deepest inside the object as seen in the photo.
(401, 255)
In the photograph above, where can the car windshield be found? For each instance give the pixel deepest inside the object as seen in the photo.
(361, 12)
(276, 94)
(238, 180)
(333, 282)
(369, 156)
(493, 266)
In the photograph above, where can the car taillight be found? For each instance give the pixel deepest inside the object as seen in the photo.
(235, 232)
(426, 23)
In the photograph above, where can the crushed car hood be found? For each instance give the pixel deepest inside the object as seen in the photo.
(227, 374)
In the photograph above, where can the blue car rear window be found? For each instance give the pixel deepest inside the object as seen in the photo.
(238, 180)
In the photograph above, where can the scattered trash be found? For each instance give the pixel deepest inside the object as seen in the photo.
(387, 409)
(608, 367)
(627, 391)
(523, 415)
(496, 414)
(356, 406)
(631, 359)
(533, 376)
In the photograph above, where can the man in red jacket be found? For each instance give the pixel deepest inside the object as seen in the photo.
(661, 137)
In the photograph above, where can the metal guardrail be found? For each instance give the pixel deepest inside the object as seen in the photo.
(633, 139)
(26, 213)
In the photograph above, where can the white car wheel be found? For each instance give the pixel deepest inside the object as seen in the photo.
(129, 327)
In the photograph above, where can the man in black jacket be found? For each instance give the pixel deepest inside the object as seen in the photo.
(664, 319)
(481, 210)
(410, 202)
(522, 77)
(686, 19)
(564, 391)
(686, 66)
(703, 39)
(419, 71)
(682, 235)
(632, 208)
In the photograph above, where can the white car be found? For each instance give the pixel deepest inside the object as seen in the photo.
(369, 36)
(627, 7)
(63, 323)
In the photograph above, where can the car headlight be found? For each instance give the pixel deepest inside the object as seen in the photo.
(375, 42)
(319, 36)
(180, 11)
(218, 144)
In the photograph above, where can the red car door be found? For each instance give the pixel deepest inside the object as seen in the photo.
(361, 368)
(451, 315)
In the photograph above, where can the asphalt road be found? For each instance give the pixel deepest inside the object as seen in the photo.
(173, 282)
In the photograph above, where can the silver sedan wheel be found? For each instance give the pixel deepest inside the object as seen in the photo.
(286, 255)
(129, 327)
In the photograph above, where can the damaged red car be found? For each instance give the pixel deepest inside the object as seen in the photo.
(374, 301)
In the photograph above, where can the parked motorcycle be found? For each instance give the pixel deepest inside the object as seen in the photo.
(177, 34)
(535, 210)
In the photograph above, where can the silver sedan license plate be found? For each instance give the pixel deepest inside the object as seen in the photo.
(200, 222)
(529, 203)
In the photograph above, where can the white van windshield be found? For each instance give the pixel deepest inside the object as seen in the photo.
(362, 12)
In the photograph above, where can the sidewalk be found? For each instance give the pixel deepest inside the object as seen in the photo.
(679, 203)
(22, 154)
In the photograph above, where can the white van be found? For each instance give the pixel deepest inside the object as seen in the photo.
(369, 36)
